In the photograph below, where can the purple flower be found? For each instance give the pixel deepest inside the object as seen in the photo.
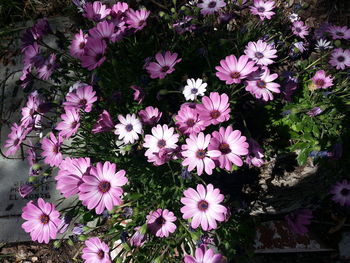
(25, 189)
(139, 93)
(96, 11)
(138, 238)
(298, 220)
(104, 123)
(314, 112)
(255, 156)
(94, 53)
(341, 193)
(78, 229)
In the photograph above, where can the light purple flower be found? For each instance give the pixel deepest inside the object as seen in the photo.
(96, 251)
(104, 123)
(150, 115)
(160, 222)
(96, 11)
(341, 193)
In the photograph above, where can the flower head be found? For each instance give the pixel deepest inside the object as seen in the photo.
(188, 121)
(15, 138)
(341, 193)
(164, 65)
(160, 222)
(77, 46)
(104, 123)
(203, 255)
(137, 19)
(339, 32)
(69, 124)
(96, 11)
(128, 128)
(150, 115)
(25, 189)
(94, 53)
(81, 98)
(255, 156)
(47, 67)
(340, 58)
(51, 149)
(138, 238)
(323, 44)
(139, 93)
(261, 52)
(293, 17)
(209, 7)
(298, 220)
(321, 80)
(194, 88)
(300, 29)
(96, 251)
(30, 114)
(263, 9)
(103, 31)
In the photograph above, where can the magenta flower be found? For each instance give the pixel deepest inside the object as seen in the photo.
(341, 193)
(203, 255)
(25, 189)
(42, 220)
(255, 157)
(30, 114)
(160, 222)
(94, 52)
(96, 251)
(138, 238)
(321, 80)
(137, 19)
(233, 71)
(104, 123)
(231, 144)
(263, 9)
(214, 109)
(196, 153)
(15, 138)
(81, 98)
(164, 65)
(188, 121)
(77, 46)
(340, 58)
(339, 32)
(69, 124)
(203, 206)
(70, 174)
(96, 11)
(314, 111)
(129, 128)
(118, 9)
(51, 149)
(298, 220)
(103, 31)
(102, 187)
(139, 94)
(300, 29)
(150, 115)
(48, 67)
(261, 52)
(209, 7)
(262, 85)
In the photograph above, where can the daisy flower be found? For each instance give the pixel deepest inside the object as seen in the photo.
(150, 115)
(261, 52)
(341, 193)
(96, 11)
(29, 112)
(196, 153)
(263, 9)
(203, 255)
(94, 53)
(138, 238)
(262, 86)
(321, 80)
(323, 44)
(137, 19)
(194, 88)
(233, 71)
(214, 109)
(77, 46)
(300, 29)
(188, 121)
(51, 149)
(103, 31)
(82, 97)
(298, 220)
(293, 17)
(42, 220)
(69, 124)
(96, 251)
(338, 32)
(15, 138)
(160, 222)
(139, 94)
(104, 123)
(128, 128)
(101, 188)
(231, 144)
(70, 174)
(47, 67)
(118, 9)
(203, 206)
(209, 7)
(314, 112)
(340, 58)
(25, 189)
(164, 65)
(255, 156)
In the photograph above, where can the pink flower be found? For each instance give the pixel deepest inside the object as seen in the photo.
(69, 124)
(30, 114)
(139, 94)
(51, 149)
(48, 67)
(300, 29)
(209, 7)
(119, 9)
(263, 9)
(70, 174)
(340, 58)
(150, 115)
(214, 109)
(137, 19)
(231, 145)
(203, 206)
(196, 153)
(160, 222)
(42, 221)
(298, 220)
(321, 80)
(255, 157)
(94, 52)
(233, 71)
(104, 123)
(341, 193)
(25, 189)
(204, 255)
(96, 11)
(128, 128)
(77, 46)
(81, 98)
(262, 85)
(101, 188)
(164, 65)
(188, 121)
(138, 238)
(103, 31)
(96, 251)
(338, 32)
(261, 52)
(15, 138)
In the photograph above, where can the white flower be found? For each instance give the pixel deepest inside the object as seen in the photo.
(300, 46)
(323, 44)
(128, 128)
(293, 17)
(194, 88)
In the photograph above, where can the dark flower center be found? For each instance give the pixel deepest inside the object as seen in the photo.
(235, 75)
(141, 23)
(161, 143)
(344, 192)
(98, 57)
(261, 84)
(128, 127)
(15, 142)
(215, 114)
(194, 91)
(212, 4)
(203, 205)
(261, 9)
(190, 122)
(200, 154)
(74, 124)
(82, 102)
(82, 45)
(341, 59)
(160, 221)
(224, 148)
(298, 29)
(44, 219)
(104, 186)
(319, 82)
(341, 34)
(101, 254)
(259, 55)
(55, 149)
(165, 69)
